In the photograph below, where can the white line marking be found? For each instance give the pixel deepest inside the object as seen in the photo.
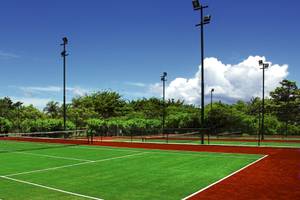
(57, 157)
(198, 154)
(212, 144)
(169, 152)
(224, 178)
(72, 165)
(50, 188)
(102, 148)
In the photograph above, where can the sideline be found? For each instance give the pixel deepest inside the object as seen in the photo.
(201, 190)
(50, 156)
(50, 188)
(72, 165)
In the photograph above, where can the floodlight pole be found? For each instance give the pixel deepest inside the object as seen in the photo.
(263, 107)
(264, 66)
(198, 6)
(211, 98)
(64, 55)
(163, 79)
(211, 107)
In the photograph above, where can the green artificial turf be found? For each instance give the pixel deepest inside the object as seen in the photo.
(109, 173)
(212, 142)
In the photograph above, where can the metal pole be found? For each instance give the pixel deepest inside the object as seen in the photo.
(211, 124)
(163, 78)
(263, 107)
(64, 98)
(64, 55)
(259, 127)
(211, 100)
(202, 75)
(164, 103)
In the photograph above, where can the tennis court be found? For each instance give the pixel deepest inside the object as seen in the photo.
(31, 170)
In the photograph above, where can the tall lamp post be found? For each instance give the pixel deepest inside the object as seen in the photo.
(211, 105)
(262, 132)
(203, 21)
(64, 55)
(163, 78)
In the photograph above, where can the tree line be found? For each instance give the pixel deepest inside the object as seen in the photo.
(108, 110)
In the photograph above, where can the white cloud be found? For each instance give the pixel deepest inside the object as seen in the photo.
(37, 102)
(136, 84)
(42, 89)
(77, 91)
(231, 82)
(4, 55)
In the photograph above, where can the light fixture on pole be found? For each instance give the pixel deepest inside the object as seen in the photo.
(262, 131)
(163, 78)
(203, 21)
(64, 55)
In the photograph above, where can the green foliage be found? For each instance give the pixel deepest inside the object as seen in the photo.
(5, 125)
(272, 124)
(224, 117)
(293, 129)
(108, 112)
(104, 104)
(122, 123)
(40, 125)
(287, 102)
(52, 109)
(151, 108)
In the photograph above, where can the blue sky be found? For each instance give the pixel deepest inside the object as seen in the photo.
(126, 45)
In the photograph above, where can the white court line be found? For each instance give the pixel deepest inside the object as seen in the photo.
(103, 148)
(226, 155)
(208, 155)
(57, 157)
(49, 156)
(50, 188)
(72, 165)
(199, 191)
(169, 151)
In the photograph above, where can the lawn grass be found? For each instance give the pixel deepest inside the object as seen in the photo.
(109, 173)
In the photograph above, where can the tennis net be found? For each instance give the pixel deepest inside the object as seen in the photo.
(12, 142)
(182, 135)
